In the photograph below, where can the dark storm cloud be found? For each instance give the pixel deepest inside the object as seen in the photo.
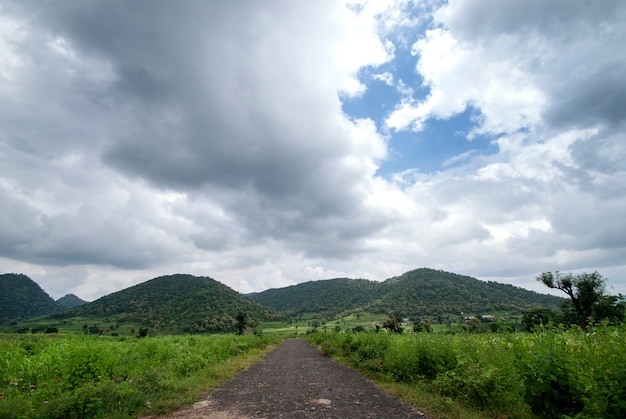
(589, 96)
(206, 99)
(558, 19)
(144, 137)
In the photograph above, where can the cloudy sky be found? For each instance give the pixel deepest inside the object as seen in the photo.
(270, 143)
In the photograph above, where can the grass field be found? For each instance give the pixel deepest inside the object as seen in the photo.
(553, 373)
(306, 323)
(80, 376)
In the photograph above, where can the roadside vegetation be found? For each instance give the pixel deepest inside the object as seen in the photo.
(550, 373)
(78, 376)
(572, 365)
(503, 356)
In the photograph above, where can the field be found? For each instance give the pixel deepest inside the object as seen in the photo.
(78, 376)
(308, 322)
(305, 323)
(552, 373)
(448, 373)
(109, 326)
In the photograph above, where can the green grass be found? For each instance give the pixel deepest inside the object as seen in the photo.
(68, 376)
(301, 325)
(110, 326)
(516, 375)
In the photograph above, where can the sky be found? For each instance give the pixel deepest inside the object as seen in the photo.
(270, 143)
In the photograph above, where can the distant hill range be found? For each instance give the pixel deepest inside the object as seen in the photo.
(418, 292)
(328, 297)
(177, 304)
(71, 301)
(190, 304)
(22, 298)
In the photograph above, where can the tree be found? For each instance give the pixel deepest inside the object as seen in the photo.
(587, 297)
(241, 322)
(423, 326)
(394, 323)
(611, 308)
(537, 317)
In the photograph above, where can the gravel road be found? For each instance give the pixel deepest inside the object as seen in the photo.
(296, 380)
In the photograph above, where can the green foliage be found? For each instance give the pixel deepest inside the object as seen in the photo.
(326, 297)
(553, 373)
(71, 301)
(83, 376)
(587, 299)
(423, 326)
(416, 293)
(21, 298)
(538, 317)
(175, 304)
(432, 292)
(242, 321)
(394, 324)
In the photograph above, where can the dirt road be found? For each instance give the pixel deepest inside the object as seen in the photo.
(296, 380)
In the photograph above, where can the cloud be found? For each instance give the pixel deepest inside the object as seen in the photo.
(233, 110)
(519, 63)
(209, 138)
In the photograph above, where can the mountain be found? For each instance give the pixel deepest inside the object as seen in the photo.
(176, 303)
(418, 292)
(326, 297)
(429, 291)
(70, 301)
(21, 298)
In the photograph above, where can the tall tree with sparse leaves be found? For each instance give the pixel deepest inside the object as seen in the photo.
(586, 293)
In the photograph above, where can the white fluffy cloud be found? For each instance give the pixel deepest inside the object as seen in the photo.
(543, 76)
(210, 138)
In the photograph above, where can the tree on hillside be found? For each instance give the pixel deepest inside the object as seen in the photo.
(587, 298)
(241, 322)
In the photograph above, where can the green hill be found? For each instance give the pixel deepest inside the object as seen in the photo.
(326, 297)
(431, 292)
(174, 304)
(71, 301)
(21, 298)
(415, 293)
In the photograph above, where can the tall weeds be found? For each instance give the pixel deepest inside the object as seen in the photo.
(78, 376)
(553, 373)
